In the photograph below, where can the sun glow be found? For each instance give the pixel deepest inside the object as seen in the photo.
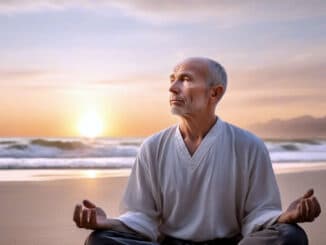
(90, 125)
(92, 174)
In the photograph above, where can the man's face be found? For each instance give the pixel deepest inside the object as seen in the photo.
(189, 92)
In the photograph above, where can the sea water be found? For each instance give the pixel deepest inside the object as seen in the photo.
(120, 153)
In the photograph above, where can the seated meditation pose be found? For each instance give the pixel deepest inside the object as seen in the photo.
(202, 181)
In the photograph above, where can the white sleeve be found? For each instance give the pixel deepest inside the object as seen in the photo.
(263, 202)
(139, 202)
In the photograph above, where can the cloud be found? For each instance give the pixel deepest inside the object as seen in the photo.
(154, 84)
(154, 79)
(299, 8)
(17, 6)
(21, 74)
(36, 79)
(224, 10)
(307, 73)
(300, 127)
(286, 100)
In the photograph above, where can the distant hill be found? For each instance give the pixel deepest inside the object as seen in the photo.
(304, 127)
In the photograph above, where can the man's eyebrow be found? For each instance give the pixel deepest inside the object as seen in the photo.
(185, 74)
(182, 74)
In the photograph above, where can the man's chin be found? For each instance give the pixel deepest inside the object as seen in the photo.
(176, 111)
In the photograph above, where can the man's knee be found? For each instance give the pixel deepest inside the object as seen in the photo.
(292, 234)
(98, 238)
(281, 234)
(92, 239)
(110, 237)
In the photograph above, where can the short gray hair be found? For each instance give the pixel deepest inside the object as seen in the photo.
(217, 74)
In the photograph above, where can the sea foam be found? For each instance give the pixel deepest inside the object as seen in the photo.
(119, 153)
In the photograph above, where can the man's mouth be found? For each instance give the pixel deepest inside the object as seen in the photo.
(176, 101)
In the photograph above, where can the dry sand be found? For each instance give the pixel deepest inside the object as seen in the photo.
(40, 212)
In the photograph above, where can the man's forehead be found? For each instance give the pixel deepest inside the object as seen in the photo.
(198, 66)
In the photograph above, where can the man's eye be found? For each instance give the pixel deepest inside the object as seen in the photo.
(185, 78)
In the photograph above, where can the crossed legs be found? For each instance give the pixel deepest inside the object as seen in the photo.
(278, 234)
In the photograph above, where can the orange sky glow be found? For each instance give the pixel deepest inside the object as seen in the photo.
(60, 62)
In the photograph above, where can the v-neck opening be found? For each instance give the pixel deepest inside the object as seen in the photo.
(203, 147)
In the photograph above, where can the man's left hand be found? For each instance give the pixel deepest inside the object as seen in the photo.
(304, 209)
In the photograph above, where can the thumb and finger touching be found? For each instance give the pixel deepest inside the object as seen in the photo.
(88, 215)
(89, 204)
(309, 193)
(309, 207)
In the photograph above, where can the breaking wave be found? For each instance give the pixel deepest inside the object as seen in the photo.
(22, 153)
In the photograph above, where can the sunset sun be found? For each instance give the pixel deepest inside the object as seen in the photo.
(90, 125)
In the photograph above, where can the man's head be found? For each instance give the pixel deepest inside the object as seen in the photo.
(197, 85)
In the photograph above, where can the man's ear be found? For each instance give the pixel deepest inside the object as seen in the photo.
(217, 92)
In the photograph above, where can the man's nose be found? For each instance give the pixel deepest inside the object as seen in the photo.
(174, 87)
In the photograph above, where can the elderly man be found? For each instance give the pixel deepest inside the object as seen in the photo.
(203, 181)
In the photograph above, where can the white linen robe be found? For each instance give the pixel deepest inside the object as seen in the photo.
(225, 188)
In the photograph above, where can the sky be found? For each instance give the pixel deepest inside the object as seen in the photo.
(61, 60)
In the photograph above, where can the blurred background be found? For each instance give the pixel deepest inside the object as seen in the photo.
(82, 83)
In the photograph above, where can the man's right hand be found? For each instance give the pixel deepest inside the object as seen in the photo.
(90, 217)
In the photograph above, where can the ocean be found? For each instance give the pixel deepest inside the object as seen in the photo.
(120, 153)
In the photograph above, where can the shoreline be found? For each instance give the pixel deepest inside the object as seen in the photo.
(22, 175)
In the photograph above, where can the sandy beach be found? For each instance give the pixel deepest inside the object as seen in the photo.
(40, 212)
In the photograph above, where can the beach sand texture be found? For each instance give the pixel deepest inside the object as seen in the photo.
(40, 212)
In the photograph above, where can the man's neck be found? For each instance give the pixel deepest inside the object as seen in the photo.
(195, 129)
